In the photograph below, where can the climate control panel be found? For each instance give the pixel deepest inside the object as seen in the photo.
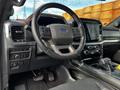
(92, 51)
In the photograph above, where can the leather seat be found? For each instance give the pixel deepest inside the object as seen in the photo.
(85, 84)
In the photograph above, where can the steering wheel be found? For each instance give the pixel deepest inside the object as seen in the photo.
(57, 40)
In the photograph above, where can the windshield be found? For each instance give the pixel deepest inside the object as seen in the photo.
(30, 6)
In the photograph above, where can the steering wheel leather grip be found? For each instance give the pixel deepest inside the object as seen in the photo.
(54, 52)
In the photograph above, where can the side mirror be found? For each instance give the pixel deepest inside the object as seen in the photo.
(18, 2)
(116, 24)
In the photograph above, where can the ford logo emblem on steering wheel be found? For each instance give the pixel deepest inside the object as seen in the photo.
(63, 30)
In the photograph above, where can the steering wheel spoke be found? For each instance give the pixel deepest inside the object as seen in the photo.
(75, 43)
(71, 49)
(76, 32)
(45, 32)
(64, 49)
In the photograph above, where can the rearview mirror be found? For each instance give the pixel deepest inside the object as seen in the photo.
(18, 2)
(101, 0)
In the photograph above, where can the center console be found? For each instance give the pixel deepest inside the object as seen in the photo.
(94, 46)
(93, 51)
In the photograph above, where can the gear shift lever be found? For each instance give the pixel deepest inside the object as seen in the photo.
(106, 64)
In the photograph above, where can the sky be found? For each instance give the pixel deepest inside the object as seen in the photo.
(26, 10)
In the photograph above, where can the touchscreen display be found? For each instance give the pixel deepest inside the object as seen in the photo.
(93, 30)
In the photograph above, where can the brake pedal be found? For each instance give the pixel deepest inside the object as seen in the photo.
(38, 77)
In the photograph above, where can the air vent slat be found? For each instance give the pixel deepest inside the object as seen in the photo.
(17, 33)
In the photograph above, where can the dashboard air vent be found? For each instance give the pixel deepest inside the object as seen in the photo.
(17, 33)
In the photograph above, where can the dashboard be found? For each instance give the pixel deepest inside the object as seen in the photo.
(93, 31)
(24, 55)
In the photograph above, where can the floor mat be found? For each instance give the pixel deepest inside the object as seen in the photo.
(36, 85)
(29, 85)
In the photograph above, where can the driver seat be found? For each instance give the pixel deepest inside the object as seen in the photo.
(85, 84)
